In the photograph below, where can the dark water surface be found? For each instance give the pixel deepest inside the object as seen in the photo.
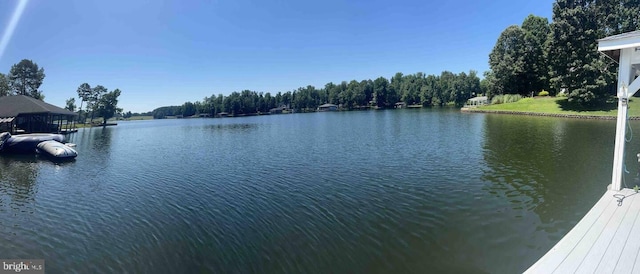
(349, 192)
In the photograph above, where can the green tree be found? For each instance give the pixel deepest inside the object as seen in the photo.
(428, 90)
(393, 90)
(380, 87)
(188, 109)
(446, 87)
(84, 93)
(355, 93)
(94, 100)
(366, 88)
(346, 94)
(333, 93)
(218, 104)
(71, 104)
(536, 31)
(574, 60)
(107, 105)
(489, 85)
(507, 62)
(25, 78)
(5, 89)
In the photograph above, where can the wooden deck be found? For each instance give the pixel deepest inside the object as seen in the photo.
(606, 240)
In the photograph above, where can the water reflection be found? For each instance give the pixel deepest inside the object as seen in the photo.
(230, 127)
(555, 167)
(390, 191)
(101, 139)
(18, 175)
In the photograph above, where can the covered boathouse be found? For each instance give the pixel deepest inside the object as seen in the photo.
(24, 114)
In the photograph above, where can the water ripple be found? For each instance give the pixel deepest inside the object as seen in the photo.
(377, 191)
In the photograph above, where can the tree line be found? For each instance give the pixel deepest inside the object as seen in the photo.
(562, 55)
(412, 89)
(100, 103)
(26, 77)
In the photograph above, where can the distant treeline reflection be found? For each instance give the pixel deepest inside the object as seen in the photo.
(227, 127)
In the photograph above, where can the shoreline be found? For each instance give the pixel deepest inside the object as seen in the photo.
(572, 116)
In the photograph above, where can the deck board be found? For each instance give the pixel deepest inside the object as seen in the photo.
(629, 254)
(602, 242)
(614, 231)
(620, 239)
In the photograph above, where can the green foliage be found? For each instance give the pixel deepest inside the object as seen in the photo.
(188, 109)
(71, 104)
(99, 100)
(518, 62)
(576, 63)
(507, 61)
(536, 30)
(563, 54)
(25, 78)
(505, 98)
(94, 99)
(107, 105)
(636, 188)
(5, 89)
(84, 93)
(380, 87)
(413, 89)
(543, 93)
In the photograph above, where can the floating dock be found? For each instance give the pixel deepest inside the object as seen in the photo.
(606, 240)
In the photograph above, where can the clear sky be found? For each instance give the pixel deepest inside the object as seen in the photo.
(168, 52)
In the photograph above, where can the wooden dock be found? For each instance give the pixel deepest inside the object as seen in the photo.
(606, 240)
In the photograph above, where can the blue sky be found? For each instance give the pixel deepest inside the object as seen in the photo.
(168, 52)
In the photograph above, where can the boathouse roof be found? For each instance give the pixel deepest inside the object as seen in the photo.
(611, 45)
(12, 106)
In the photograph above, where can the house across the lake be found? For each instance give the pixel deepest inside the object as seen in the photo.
(276, 110)
(477, 101)
(24, 114)
(400, 105)
(328, 107)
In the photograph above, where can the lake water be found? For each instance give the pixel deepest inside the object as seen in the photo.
(428, 190)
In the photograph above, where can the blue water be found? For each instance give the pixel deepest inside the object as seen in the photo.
(414, 191)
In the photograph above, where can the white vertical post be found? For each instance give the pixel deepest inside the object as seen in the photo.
(624, 78)
(618, 154)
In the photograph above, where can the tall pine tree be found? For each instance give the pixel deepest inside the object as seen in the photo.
(507, 62)
(574, 60)
(536, 76)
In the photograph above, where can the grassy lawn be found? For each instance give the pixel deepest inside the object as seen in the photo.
(554, 105)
